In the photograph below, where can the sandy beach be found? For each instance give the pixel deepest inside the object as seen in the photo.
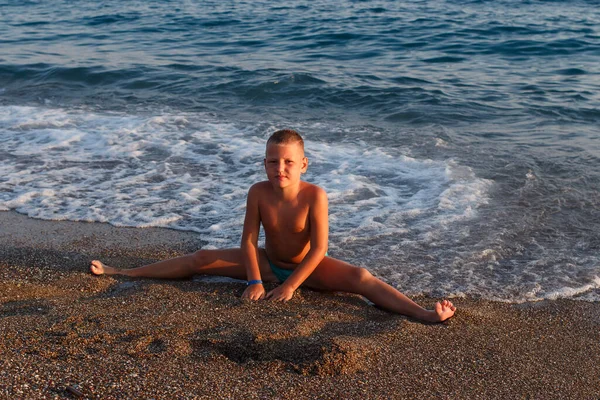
(68, 334)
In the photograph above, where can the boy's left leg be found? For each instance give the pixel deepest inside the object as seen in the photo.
(336, 275)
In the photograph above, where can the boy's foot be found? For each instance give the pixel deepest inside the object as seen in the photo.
(444, 310)
(97, 268)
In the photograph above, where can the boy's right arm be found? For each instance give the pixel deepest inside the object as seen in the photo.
(250, 245)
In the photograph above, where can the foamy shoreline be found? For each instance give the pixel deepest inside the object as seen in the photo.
(123, 338)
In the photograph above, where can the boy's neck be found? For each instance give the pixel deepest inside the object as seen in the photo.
(288, 193)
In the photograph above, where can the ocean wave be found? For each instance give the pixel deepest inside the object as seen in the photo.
(410, 99)
(108, 19)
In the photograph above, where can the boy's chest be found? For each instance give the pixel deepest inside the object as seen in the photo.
(285, 219)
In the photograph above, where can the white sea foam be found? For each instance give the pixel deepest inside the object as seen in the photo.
(585, 291)
(184, 172)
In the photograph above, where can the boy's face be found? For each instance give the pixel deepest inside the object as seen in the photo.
(284, 163)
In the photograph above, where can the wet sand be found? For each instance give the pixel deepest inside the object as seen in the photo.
(68, 334)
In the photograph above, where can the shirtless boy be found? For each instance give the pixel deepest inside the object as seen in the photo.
(294, 216)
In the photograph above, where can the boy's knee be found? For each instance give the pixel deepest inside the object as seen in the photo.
(362, 275)
(200, 258)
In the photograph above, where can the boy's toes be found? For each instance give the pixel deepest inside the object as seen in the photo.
(448, 304)
(444, 310)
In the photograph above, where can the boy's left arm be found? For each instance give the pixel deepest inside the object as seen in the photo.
(319, 237)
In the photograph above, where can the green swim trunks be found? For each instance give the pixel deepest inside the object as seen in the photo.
(280, 273)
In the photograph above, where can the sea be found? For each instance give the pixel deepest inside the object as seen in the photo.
(458, 140)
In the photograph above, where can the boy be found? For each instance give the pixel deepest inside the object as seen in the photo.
(294, 216)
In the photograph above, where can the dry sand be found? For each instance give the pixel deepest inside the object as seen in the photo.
(68, 334)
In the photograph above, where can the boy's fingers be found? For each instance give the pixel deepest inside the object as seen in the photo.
(283, 298)
(254, 295)
(272, 296)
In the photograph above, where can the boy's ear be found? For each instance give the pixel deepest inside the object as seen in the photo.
(304, 164)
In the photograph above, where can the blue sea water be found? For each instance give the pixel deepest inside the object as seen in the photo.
(458, 140)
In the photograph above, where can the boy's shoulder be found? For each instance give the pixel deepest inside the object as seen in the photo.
(312, 189)
(261, 187)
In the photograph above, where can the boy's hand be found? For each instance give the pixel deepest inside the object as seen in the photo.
(254, 292)
(280, 293)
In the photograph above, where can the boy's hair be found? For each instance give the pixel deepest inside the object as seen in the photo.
(286, 136)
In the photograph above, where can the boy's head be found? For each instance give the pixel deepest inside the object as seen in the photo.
(284, 158)
(286, 136)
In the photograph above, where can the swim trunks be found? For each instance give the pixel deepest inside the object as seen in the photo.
(280, 273)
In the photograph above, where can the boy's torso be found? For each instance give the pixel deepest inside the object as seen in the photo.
(286, 224)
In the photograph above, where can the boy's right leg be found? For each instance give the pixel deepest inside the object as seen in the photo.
(227, 262)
